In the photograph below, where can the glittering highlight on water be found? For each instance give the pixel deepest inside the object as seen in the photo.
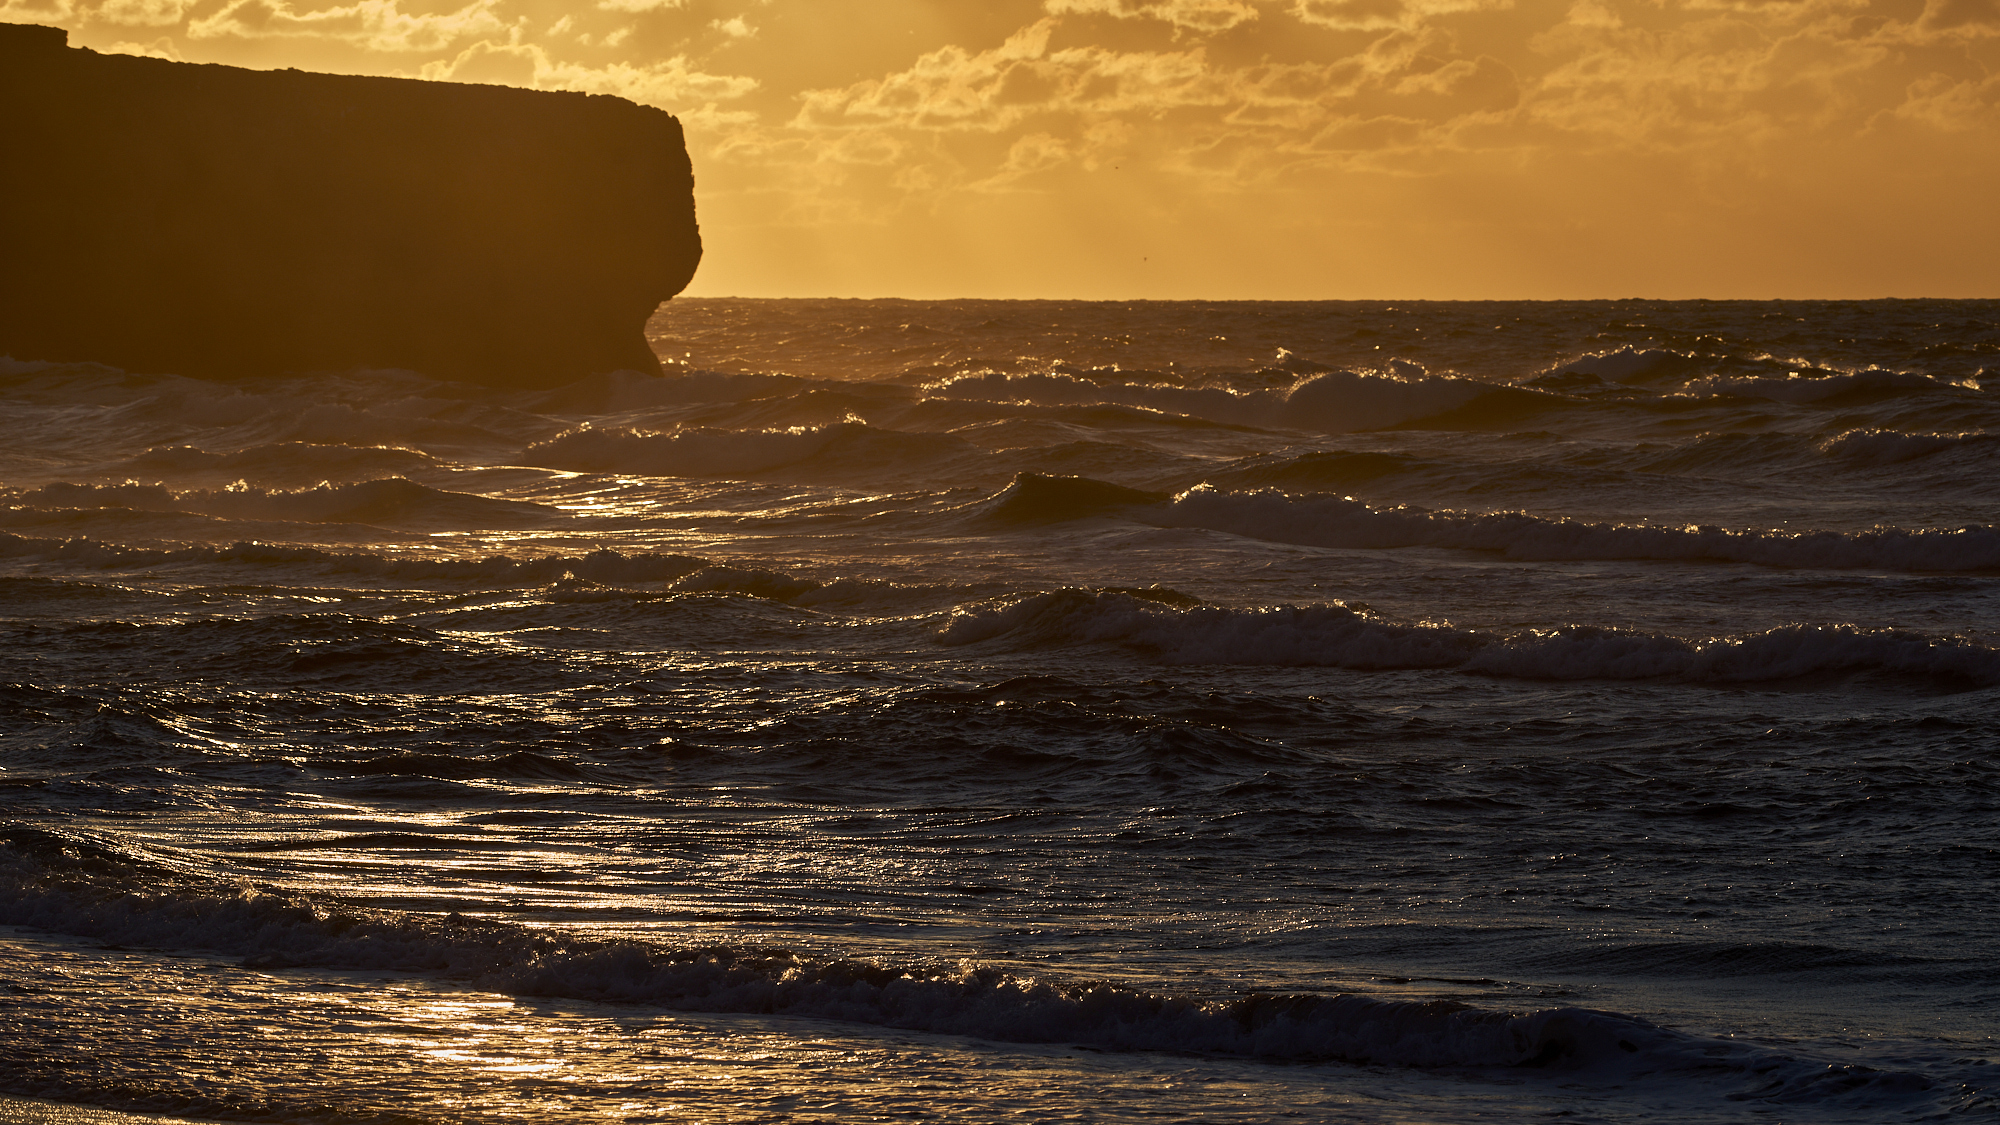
(1021, 710)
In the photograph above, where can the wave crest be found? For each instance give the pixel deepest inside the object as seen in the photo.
(1327, 401)
(1339, 637)
(501, 570)
(1874, 448)
(1326, 520)
(701, 452)
(1803, 389)
(387, 502)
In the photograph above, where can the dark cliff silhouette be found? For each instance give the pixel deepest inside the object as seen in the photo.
(219, 222)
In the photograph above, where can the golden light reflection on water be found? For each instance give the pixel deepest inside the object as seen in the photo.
(231, 1041)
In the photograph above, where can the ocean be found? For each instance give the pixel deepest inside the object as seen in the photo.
(1022, 711)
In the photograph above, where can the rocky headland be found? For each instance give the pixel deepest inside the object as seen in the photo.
(219, 222)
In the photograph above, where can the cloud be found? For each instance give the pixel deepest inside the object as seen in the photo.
(674, 84)
(1381, 15)
(1972, 17)
(1952, 106)
(376, 25)
(161, 48)
(37, 11)
(1719, 78)
(1200, 15)
(996, 89)
(505, 64)
(143, 13)
(1029, 154)
(1178, 112)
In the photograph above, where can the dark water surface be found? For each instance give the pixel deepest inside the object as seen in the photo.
(1022, 711)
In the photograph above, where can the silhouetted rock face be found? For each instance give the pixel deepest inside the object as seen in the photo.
(214, 221)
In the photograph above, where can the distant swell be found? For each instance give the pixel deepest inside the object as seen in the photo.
(1328, 402)
(1772, 379)
(1338, 637)
(1330, 520)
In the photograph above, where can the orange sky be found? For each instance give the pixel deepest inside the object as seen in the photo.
(1243, 148)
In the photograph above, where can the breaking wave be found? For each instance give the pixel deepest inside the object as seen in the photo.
(1630, 365)
(72, 882)
(1034, 498)
(1874, 448)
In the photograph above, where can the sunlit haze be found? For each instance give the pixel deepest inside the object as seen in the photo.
(1243, 148)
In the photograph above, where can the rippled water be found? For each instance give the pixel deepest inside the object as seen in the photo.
(1040, 710)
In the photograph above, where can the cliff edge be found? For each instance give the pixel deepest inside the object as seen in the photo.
(218, 222)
